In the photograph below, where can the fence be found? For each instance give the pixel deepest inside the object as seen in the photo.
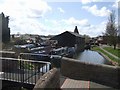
(8, 54)
(21, 70)
(36, 57)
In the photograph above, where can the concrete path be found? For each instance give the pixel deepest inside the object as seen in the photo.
(75, 84)
(82, 85)
(109, 53)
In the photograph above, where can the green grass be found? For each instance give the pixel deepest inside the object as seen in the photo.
(112, 58)
(111, 50)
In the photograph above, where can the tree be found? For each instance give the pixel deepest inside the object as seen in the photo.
(111, 30)
(87, 38)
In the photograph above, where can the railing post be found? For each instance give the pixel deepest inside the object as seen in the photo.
(20, 71)
(23, 71)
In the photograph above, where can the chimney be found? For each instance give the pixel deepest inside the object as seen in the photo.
(76, 30)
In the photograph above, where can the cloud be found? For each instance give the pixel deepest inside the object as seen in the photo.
(94, 30)
(116, 4)
(25, 14)
(73, 21)
(60, 26)
(89, 1)
(97, 12)
(25, 17)
(56, 27)
(61, 10)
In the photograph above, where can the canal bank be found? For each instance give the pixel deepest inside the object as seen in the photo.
(107, 58)
(91, 56)
(107, 55)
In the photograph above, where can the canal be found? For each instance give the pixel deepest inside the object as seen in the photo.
(91, 57)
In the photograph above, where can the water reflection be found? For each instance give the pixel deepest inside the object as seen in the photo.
(91, 57)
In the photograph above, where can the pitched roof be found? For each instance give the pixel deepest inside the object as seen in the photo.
(75, 34)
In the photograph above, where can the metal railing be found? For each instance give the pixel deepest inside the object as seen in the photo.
(8, 54)
(36, 57)
(22, 70)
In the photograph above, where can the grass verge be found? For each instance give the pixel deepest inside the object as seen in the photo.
(116, 52)
(112, 59)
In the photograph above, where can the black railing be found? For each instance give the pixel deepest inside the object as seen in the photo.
(21, 70)
(8, 54)
(36, 57)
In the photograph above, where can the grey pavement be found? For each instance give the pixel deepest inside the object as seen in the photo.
(67, 83)
(71, 83)
(94, 85)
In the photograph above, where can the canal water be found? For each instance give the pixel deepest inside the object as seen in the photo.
(91, 57)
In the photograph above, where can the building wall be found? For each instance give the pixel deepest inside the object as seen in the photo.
(80, 43)
(70, 40)
(0, 49)
(65, 39)
(0, 28)
(4, 28)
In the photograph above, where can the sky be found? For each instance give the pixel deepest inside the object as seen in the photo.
(52, 17)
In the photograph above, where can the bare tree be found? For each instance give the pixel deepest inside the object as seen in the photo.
(111, 30)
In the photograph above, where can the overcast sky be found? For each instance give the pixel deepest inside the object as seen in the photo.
(51, 17)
